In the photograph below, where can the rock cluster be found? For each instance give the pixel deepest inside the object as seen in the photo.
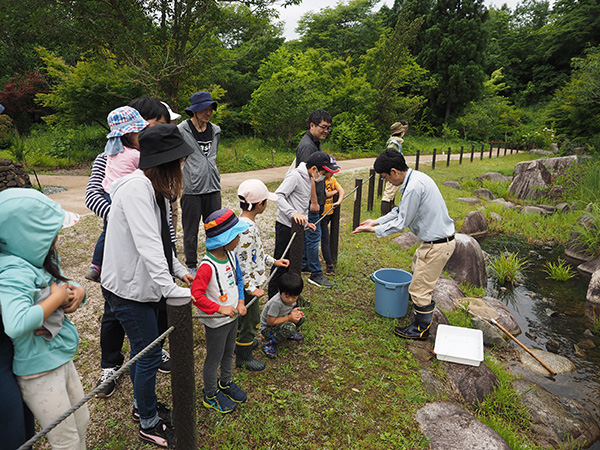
(12, 174)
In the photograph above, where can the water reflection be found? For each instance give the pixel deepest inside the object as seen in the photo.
(553, 313)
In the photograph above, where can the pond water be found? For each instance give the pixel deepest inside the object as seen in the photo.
(549, 310)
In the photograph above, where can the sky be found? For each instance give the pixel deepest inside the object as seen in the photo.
(291, 14)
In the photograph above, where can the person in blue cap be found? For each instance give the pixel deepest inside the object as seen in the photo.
(201, 178)
(219, 289)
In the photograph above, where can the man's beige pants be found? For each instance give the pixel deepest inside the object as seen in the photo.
(427, 266)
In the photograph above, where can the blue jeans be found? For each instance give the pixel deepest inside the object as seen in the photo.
(16, 421)
(310, 252)
(99, 249)
(140, 322)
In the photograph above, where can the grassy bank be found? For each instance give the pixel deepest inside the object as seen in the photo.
(351, 384)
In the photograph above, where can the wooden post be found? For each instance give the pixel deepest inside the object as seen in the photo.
(433, 159)
(183, 374)
(481, 157)
(506, 148)
(491, 148)
(462, 149)
(417, 160)
(357, 199)
(334, 234)
(371, 192)
(448, 158)
(380, 186)
(472, 151)
(295, 252)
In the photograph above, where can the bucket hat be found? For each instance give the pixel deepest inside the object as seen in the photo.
(199, 101)
(125, 120)
(172, 115)
(254, 191)
(323, 161)
(398, 127)
(161, 144)
(222, 227)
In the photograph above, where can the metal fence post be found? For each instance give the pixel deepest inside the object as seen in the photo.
(183, 374)
(295, 252)
(433, 159)
(334, 233)
(357, 199)
(417, 160)
(371, 191)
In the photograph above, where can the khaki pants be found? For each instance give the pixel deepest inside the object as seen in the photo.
(389, 192)
(427, 266)
(51, 395)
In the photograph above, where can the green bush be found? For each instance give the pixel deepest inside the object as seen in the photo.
(355, 132)
(6, 130)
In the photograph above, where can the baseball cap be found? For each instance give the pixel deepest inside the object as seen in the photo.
(172, 115)
(254, 191)
(323, 161)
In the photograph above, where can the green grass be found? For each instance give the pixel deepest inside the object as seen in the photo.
(560, 271)
(506, 267)
(588, 233)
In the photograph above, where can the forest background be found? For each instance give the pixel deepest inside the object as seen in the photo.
(454, 69)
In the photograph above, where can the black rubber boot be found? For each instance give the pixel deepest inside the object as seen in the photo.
(419, 329)
(244, 358)
(386, 207)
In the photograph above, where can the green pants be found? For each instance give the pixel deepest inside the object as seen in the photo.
(248, 324)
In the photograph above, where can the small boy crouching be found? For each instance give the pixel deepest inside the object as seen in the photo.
(281, 317)
(219, 288)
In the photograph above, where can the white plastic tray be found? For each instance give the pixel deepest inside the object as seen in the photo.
(459, 345)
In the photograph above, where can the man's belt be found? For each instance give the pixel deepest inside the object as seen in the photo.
(441, 241)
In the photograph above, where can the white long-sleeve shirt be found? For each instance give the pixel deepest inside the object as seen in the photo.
(422, 209)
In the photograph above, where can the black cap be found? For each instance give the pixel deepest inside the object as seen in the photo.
(161, 144)
(323, 161)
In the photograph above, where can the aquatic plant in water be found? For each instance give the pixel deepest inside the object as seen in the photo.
(506, 267)
(560, 271)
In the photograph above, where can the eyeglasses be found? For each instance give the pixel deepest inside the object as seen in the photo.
(326, 127)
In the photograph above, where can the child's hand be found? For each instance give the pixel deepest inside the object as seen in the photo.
(338, 203)
(282, 262)
(187, 279)
(257, 292)
(300, 219)
(227, 311)
(76, 296)
(241, 308)
(296, 315)
(60, 290)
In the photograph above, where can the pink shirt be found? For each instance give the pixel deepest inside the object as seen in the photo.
(119, 165)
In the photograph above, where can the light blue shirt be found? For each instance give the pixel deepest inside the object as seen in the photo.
(422, 209)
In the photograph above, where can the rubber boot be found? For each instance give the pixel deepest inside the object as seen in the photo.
(386, 207)
(419, 329)
(244, 358)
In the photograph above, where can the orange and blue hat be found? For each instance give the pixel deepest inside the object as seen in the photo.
(222, 227)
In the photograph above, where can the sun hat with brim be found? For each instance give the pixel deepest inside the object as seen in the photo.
(323, 161)
(125, 120)
(222, 227)
(161, 144)
(200, 101)
(172, 115)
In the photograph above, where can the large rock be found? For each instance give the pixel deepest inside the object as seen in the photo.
(587, 269)
(450, 427)
(536, 210)
(406, 240)
(445, 291)
(557, 422)
(557, 166)
(494, 177)
(531, 179)
(452, 184)
(505, 317)
(492, 336)
(504, 203)
(558, 363)
(593, 292)
(484, 193)
(469, 200)
(475, 225)
(473, 384)
(466, 263)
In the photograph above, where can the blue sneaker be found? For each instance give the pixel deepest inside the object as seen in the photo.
(233, 391)
(219, 402)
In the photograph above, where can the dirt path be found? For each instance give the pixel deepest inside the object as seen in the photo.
(73, 199)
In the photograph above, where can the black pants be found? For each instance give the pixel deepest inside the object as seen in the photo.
(326, 239)
(283, 234)
(195, 208)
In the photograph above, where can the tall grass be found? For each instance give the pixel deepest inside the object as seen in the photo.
(588, 233)
(559, 271)
(506, 267)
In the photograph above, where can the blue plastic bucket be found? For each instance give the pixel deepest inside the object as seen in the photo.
(391, 292)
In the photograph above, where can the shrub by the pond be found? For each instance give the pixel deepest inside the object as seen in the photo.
(588, 232)
(506, 267)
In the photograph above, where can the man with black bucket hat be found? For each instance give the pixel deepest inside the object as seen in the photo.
(423, 210)
(201, 178)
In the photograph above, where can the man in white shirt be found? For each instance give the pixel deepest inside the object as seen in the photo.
(424, 211)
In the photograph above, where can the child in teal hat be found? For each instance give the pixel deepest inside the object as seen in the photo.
(218, 289)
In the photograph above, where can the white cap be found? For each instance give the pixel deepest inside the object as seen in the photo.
(172, 115)
(70, 219)
(254, 191)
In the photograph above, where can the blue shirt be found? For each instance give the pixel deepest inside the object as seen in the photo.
(422, 209)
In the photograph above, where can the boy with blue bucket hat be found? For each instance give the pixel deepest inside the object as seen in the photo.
(218, 289)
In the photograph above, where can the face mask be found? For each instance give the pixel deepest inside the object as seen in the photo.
(320, 178)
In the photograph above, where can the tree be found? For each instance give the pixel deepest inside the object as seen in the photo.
(18, 97)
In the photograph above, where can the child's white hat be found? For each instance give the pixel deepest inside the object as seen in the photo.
(254, 191)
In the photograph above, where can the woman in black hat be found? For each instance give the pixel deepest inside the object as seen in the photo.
(139, 265)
